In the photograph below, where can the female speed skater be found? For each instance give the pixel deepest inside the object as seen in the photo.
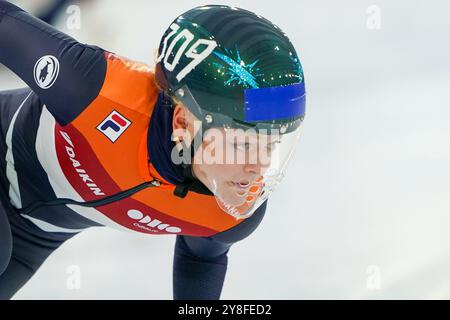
(192, 147)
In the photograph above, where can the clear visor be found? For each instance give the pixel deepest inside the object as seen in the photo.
(243, 167)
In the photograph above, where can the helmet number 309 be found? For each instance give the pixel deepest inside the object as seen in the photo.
(187, 37)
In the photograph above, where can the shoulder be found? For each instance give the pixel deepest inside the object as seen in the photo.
(129, 82)
(123, 68)
(243, 229)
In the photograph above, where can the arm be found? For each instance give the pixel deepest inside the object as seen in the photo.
(66, 84)
(200, 264)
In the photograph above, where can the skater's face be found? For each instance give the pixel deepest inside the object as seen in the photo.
(229, 161)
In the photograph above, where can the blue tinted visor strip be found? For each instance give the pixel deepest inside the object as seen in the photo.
(274, 103)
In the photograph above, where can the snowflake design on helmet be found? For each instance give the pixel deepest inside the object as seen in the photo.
(299, 67)
(238, 71)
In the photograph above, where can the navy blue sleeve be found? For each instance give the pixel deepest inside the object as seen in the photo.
(64, 73)
(200, 263)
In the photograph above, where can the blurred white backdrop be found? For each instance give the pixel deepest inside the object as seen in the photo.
(364, 212)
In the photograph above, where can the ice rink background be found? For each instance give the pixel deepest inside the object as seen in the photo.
(365, 209)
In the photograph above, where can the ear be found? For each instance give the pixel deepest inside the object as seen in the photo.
(179, 121)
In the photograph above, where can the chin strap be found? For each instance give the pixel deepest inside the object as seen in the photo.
(190, 182)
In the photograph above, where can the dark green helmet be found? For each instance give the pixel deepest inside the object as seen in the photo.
(232, 68)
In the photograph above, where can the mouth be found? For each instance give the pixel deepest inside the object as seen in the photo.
(243, 184)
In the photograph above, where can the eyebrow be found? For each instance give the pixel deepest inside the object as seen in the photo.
(256, 142)
(252, 138)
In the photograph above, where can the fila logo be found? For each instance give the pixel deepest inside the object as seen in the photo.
(114, 126)
(146, 221)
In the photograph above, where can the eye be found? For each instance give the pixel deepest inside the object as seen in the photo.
(273, 145)
(242, 146)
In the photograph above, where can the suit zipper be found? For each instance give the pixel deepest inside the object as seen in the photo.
(94, 203)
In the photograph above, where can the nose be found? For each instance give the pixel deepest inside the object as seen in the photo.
(256, 169)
